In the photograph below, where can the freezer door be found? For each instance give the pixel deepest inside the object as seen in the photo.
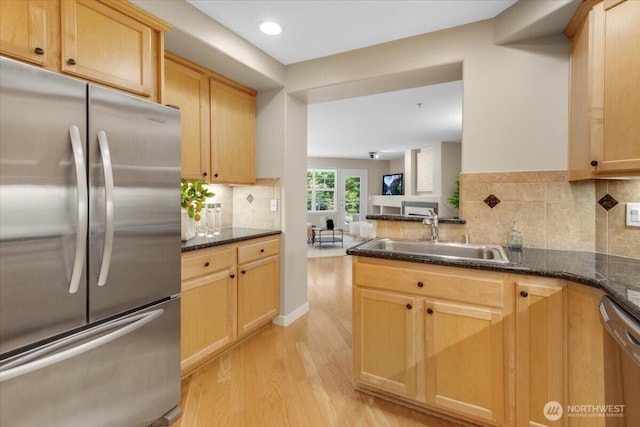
(43, 204)
(122, 373)
(134, 179)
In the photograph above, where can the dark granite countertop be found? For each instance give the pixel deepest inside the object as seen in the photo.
(414, 218)
(618, 276)
(228, 235)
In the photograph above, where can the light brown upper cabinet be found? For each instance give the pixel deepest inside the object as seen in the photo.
(188, 89)
(218, 123)
(24, 27)
(604, 129)
(233, 115)
(110, 42)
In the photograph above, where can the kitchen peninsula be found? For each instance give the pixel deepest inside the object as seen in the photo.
(487, 342)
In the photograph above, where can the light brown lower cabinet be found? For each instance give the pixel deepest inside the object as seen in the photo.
(208, 316)
(224, 301)
(465, 359)
(540, 350)
(258, 293)
(421, 337)
(385, 333)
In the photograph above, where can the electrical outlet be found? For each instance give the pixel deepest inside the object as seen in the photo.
(274, 205)
(633, 214)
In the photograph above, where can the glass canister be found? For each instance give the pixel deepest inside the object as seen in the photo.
(213, 218)
(201, 223)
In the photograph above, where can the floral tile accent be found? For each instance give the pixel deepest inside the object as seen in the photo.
(607, 201)
(491, 201)
(250, 198)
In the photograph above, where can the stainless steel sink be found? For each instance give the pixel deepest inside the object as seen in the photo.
(447, 250)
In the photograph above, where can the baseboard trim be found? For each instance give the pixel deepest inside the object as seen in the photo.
(293, 316)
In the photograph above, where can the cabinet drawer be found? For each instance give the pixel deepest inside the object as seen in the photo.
(198, 263)
(258, 250)
(453, 284)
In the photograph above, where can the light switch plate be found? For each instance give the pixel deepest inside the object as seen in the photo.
(633, 214)
(274, 205)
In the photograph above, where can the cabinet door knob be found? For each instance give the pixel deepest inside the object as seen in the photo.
(39, 51)
(524, 294)
(261, 251)
(233, 276)
(71, 61)
(215, 174)
(594, 163)
(206, 264)
(409, 306)
(243, 271)
(204, 174)
(430, 310)
(420, 284)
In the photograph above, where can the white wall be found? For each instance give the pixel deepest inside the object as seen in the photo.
(515, 113)
(293, 298)
(396, 166)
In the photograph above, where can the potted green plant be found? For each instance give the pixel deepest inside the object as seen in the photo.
(192, 197)
(455, 198)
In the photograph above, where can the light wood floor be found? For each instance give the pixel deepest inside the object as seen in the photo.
(295, 376)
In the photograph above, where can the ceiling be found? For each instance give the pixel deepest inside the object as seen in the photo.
(387, 123)
(317, 28)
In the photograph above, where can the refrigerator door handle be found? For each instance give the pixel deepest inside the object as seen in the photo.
(39, 359)
(103, 142)
(83, 209)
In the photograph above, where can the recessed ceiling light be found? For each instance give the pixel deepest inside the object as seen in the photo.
(270, 28)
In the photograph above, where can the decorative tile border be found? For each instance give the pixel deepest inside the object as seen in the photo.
(491, 201)
(607, 202)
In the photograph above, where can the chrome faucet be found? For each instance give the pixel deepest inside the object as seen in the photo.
(432, 220)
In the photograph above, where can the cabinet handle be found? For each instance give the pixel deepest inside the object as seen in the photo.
(524, 294)
(261, 251)
(430, 310)
(39, 51)
(409, 306)
(206, 264)
(243, 271)
(71, 61)
(215, 175)
(204, 174)
(420, 284)
(233, 276)
(594, 163)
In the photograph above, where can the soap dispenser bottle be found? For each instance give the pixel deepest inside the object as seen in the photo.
(514, 238)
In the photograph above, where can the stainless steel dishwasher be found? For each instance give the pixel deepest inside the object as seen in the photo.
(625, 329)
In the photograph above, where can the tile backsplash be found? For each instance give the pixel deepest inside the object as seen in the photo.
(551, 212)
(249, 205)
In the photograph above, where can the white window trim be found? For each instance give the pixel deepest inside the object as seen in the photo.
(334, 189)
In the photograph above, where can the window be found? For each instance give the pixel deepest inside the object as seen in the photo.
(321, 190)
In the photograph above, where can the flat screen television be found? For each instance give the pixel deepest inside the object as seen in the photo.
(393, 184)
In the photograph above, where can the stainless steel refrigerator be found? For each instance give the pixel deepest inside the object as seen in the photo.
(89, 254)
